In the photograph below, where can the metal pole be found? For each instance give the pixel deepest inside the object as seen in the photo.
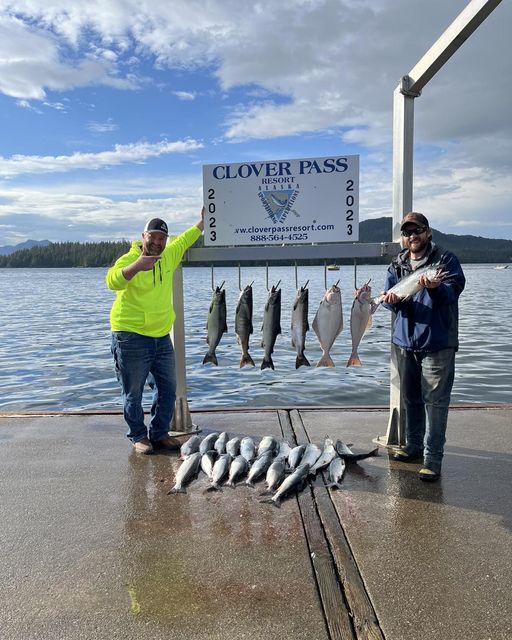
(410, 87)
(181, 421)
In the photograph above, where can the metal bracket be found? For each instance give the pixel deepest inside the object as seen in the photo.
(405, 83)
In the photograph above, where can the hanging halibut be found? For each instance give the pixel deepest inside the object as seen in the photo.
(328, 323)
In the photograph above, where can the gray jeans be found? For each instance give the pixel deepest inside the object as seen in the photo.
(426, 381)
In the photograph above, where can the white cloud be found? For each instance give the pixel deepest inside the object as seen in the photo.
(121, 154)
(185, 95)
(102, 127)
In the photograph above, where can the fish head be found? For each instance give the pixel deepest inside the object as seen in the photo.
(364, 294)
(333, 294)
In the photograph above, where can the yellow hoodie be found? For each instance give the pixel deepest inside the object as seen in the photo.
(144, 304)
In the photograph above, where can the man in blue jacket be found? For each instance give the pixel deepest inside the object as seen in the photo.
(425, 333)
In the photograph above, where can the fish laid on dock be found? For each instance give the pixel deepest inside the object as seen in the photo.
(336, 472)
(190, 446)
(243, 324)
(188, 470)
(326, 457)
(360, 321)
(300, 326)
(219, 471)
(208, 442)
(216, 324)
(293, 483)
(248, 449)
(271, 326)
(239, 467)
(328, 323)
(345, 452)
(259, 467)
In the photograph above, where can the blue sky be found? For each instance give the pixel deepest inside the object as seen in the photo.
(110, 108)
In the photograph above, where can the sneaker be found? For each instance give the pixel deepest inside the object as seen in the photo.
(143, 446)
(428, 475)
(169, 443)
(402, 455)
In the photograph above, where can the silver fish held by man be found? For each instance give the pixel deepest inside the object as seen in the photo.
(300, 326)
(188, 470)
(328, 323)
(216, 324)
(243, 324)
(408, 286)
(360, 321)
(271, 326)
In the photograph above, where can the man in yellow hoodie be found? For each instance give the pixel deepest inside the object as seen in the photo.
(141, 318)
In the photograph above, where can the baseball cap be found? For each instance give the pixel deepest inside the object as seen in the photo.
(156, 224)
(414, 218)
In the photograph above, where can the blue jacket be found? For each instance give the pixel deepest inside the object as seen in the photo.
(429, 321)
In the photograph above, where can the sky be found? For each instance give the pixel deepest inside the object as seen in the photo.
(109, 108)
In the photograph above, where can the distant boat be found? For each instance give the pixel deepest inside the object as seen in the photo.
(333, 267)
(500, 266)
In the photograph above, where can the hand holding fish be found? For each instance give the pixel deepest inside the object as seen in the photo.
(431, 283)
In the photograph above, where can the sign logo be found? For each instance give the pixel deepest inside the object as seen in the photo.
(278, 203)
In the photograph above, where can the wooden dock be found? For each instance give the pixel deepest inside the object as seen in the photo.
(94, 547)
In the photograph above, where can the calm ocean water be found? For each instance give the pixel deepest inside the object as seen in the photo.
(55, 341)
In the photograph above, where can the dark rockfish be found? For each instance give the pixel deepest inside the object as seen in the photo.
(243, 324)
(216, 324)
(300, 326)
(271, 326)
(347, 454)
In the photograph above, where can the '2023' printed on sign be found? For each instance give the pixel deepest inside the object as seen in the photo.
(282, 201)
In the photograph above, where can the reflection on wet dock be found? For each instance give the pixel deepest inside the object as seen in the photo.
(94, 547)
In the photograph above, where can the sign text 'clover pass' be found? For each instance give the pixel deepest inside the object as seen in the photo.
(282, 201)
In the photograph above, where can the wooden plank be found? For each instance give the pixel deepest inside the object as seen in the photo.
(335, 610)
(360, 609)
(333, 602)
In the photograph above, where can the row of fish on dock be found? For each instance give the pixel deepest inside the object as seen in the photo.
(327, 324)
(286, 469)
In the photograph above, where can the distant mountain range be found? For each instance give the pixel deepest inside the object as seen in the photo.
(28, 244)
(469, 249)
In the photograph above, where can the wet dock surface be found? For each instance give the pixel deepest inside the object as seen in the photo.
(94, 547)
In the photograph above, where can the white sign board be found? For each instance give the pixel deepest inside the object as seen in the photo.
(282, 201)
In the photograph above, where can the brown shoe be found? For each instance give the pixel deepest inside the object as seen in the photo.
(169, 443)
(143, 446)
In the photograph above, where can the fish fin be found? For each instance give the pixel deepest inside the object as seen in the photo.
(251, 329)
(302, 361)
(225, 328)
(246, 360)
(266, 500)
(267, 364)
(325, 361)
(230, 483)
(354, 361)
(211, 357)
(250, 483)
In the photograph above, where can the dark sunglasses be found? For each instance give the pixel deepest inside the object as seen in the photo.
(407, 233)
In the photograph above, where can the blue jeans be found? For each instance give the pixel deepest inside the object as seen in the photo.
(137, 359)
(426, 381)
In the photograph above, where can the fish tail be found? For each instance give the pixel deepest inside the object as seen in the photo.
(267, 363)
(230, 483)
(302, 361)
(175, 490)
(211, 357)
(212, 487)
(246, 359)
(333, 485)
(325, 361)
(250, 483)
(354, 360)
